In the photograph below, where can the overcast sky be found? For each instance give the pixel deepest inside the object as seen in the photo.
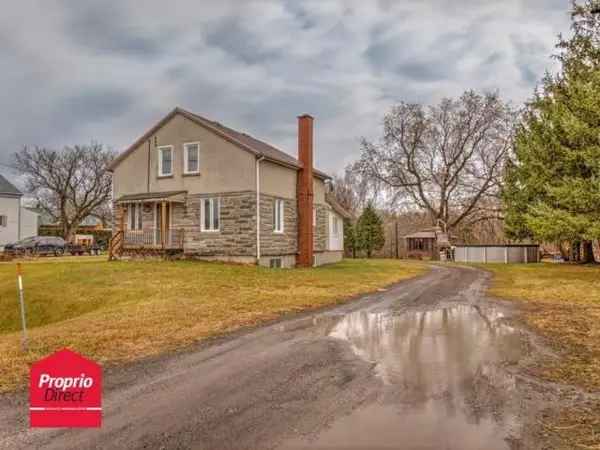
(76, 71)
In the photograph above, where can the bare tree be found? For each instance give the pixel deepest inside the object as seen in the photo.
(446, 159)
(68, 185)
(351, 190)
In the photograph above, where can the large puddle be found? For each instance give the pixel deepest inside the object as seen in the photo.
(444, 387)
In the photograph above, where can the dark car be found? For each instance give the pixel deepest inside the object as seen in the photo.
(37, 245)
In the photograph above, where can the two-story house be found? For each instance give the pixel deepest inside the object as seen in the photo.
(194, 187)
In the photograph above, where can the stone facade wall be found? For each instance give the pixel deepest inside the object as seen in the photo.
(321, 229)
(237, 233)
(236, 237)
(272, 243)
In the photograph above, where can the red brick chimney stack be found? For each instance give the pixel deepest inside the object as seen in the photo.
(305, 191)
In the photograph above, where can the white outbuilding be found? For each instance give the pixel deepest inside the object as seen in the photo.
(16, 221)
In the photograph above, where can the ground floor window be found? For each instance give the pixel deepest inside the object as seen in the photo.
(278, 214)
(210, 214)
(335, 227)
(3, 221)
(135, 216)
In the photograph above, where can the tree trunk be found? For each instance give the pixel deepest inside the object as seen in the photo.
(575, 251)
(564, 252)
(588, 252)
(68, 232)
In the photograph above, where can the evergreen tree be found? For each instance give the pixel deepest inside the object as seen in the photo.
(369, 230)
(552, 190)
(350, 237)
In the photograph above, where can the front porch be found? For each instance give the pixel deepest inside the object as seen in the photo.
(149, 223)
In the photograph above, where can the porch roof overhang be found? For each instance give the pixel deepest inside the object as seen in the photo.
(153, 197)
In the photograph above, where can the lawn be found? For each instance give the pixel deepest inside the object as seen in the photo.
(121, 311)
(562, 303)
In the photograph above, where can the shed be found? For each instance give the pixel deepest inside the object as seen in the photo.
(427, 243)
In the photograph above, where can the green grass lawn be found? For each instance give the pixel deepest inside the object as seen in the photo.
(562, 302)
(122, 311)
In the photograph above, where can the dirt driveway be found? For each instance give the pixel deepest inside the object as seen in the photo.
(427, 364)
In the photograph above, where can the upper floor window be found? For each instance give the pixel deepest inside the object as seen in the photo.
(3, 221)
(134, 219)
(210, 214)
(165, 161)
(191, 157)
(278, 215)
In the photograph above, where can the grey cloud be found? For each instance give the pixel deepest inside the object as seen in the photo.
(231, 37)
(105, 27)
(96, 103)
(530, 56)
(106, 71)
(301, 14)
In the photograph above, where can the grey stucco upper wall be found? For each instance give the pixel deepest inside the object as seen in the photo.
(224, 167)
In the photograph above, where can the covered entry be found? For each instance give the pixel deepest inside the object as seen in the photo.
(147, 221)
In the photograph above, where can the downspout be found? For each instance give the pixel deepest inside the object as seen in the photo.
(258, 160)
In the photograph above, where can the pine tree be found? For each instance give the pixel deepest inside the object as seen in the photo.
(552, 190)
(369, 230)
(350, 237)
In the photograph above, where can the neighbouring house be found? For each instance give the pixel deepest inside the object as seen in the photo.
(427, 243)
(195, 187)
(16, 221)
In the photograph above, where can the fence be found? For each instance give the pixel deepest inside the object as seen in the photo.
(508, 253)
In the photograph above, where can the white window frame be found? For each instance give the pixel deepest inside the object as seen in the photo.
(335, 228)
(278, 215)
(186, 150)
(211, 217)
(134, 216)
(160, 160)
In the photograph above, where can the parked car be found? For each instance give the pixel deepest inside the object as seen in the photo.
(37, 245)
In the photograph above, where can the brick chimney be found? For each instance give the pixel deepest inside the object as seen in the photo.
(304, 191)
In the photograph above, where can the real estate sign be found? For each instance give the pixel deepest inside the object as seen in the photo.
(65, 391)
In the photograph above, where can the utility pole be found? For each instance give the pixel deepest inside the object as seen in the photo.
(397, 242)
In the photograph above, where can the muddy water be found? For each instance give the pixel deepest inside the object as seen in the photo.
(442, 377)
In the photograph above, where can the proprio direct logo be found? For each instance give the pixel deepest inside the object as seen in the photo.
(65, 391)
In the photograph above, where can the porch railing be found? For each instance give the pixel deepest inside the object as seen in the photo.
(152, 238)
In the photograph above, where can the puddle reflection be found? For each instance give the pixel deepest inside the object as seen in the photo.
(444, 385)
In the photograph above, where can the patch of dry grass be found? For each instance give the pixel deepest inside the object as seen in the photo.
(122, 311)
(562, 302)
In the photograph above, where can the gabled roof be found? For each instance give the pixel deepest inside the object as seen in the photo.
(337, 207)
(242, 140)
(6, 187)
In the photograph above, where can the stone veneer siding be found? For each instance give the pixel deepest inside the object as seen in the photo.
(236, 236)
(321, 229)
(271, 243)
